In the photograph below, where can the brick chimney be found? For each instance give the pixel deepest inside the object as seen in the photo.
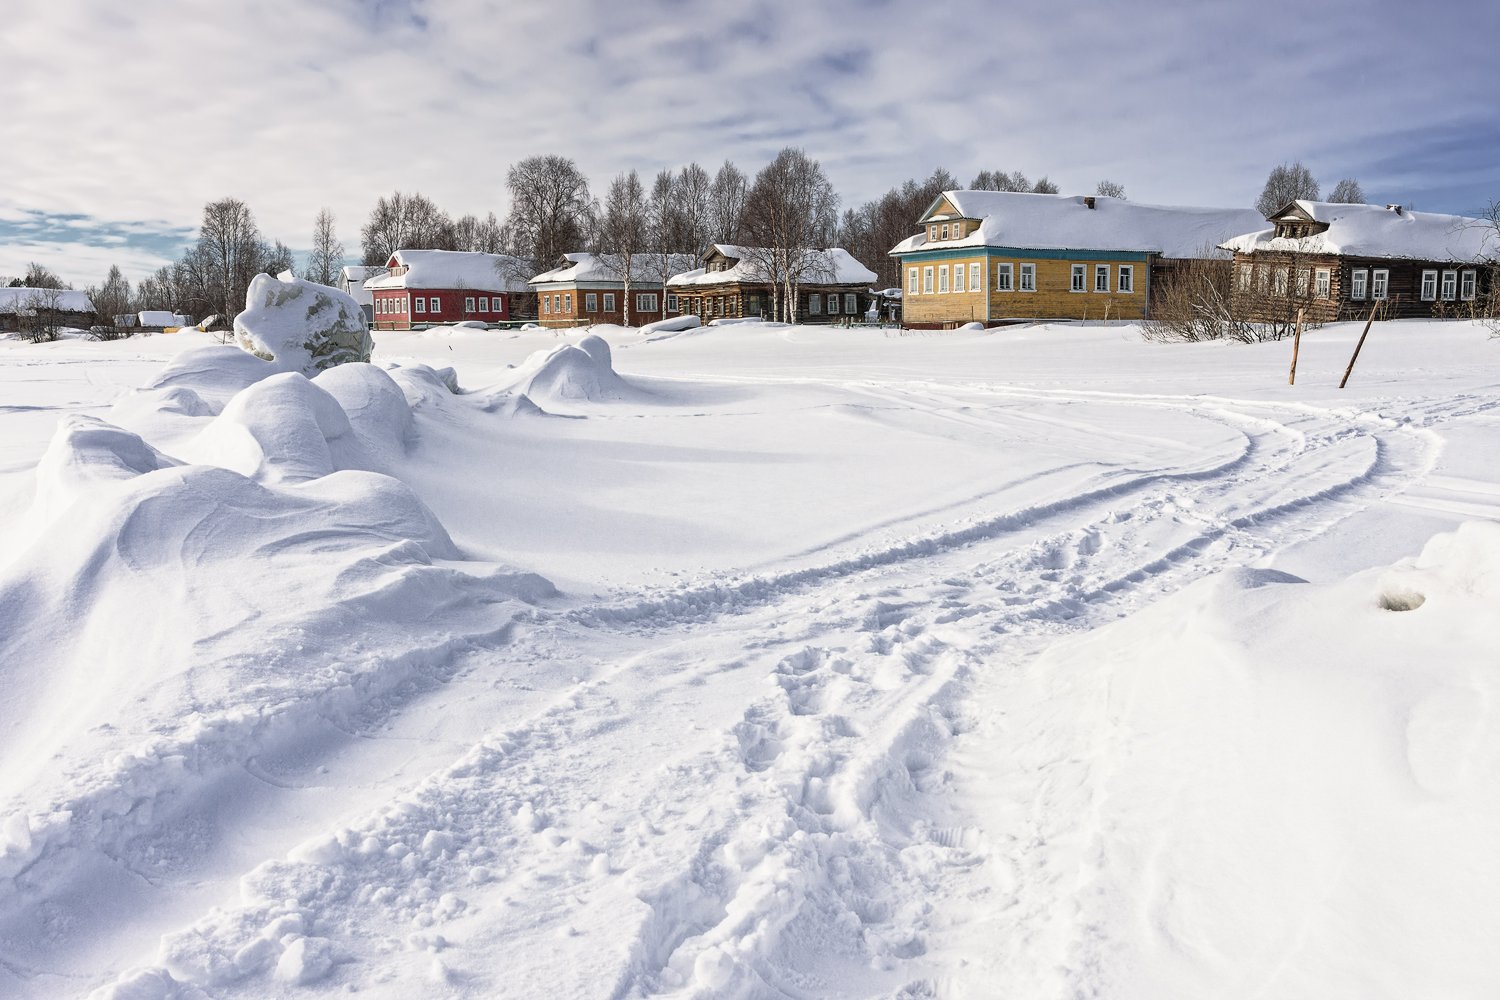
(1088, 200)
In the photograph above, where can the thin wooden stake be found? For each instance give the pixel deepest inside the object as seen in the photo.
(1357, 346)
(1296, 346)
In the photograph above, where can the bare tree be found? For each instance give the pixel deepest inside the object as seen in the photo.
(160, 290)
(551, 211)
(726, 204)
(662, 228)
(41, 313)
(1110, 189)
(41, 276)
(999, 180)
(870, 231)
(791, 213)
(477, 235)
(693, 196)
(1286, 183)
(325, 263)
(1347, 192)
(277, 259)
(228, 253)
(112, 298)
(1044, 186)
(404, 222)
(624, 230)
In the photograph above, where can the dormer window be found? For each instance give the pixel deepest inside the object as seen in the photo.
(945, 230)
(932, 232)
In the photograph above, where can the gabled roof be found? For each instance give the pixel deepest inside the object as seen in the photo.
(20, 300)
(748, 267)
(1066, 222)
(645, 268)
(1378, 231)
(482, 272)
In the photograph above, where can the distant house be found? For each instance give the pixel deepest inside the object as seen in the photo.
(1343, 260)
(737, 282)
(22, 308)
(590, 288)
(352, 280)
(991, 256)
(443, 286)
(159, 321)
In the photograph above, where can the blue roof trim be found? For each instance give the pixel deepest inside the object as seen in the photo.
(1019, 253)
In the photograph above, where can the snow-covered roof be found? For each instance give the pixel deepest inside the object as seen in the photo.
(840, 265)
(482, 272)
(363, 272)
(21, 300)
(1066, 222)
(1380, 231)
(160, 317)
(644, 267)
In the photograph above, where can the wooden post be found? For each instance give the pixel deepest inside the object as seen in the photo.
(1296, 346)
(1357, 346)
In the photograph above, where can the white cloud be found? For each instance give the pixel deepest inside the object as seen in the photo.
(79, 263)
(166, 105)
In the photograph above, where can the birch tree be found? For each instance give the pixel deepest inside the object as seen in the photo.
(325, 263)
(790, 214)
(551, 211)
(624, 230)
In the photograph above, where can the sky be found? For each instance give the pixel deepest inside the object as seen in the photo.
(122, 120)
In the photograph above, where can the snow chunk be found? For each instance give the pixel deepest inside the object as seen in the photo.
(306, 960)
(148, 984)
(300, 326)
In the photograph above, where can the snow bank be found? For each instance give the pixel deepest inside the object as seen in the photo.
(570, 374)
(1294, 790)
(676, 324)
(300, 326)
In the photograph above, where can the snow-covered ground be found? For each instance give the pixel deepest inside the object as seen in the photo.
(752, 661)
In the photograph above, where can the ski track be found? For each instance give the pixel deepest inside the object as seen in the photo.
(814, 820)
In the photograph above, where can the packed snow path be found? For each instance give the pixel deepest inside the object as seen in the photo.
(809, 780)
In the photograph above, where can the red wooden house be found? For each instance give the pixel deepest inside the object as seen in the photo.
(427, 287)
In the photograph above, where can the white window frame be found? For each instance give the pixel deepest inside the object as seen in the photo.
(1004, 278)
(851, 303)
(1101, 277)
(815, 304)
(671, 302)
(1126, 279)
(1380, 284)
(1359, 287)
(932, 233)
(421, 304)
(567, 302)
(546, 305)
(833, 303)
(945, 230)
(1028, 278)
(1429, 286)
(958, 278)
(976, 280)
(468, 303)
(645, 302)
(943, 285)
(1468, 283)
(1323, 282)
(609, 302)
(913, 280)
(1449, 286)
(927, 280)
(590, 302)
(1079, 279)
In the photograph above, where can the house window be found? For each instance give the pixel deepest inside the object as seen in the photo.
(1282, 281)
(609, 302)
(1002, 277)
(927, 280)
(568, 302)
(1357, 279)
(1101, 277)
(851, 304)
(1303, 277)
(468, 303)
(591, 302)
(1450, 285)
(945, 230)
(433, 305)
(1246, 272)
(671, 303)
(1379, 281)
(815, 304)
(645, 302)
(913, 281)
(942, 277)
(546, 305)
(1028, 277)
(932, 232)
(1127, 277)
(958, 277)
(484, 303)
(974, 277)
(421, 304)
(1466, 286)
(1078, 277)
(1322, 281)
(833, 303)
(1429, 286)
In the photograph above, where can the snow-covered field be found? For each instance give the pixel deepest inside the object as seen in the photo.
(752, 661)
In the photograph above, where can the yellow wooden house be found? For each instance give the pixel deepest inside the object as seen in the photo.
(997, 256)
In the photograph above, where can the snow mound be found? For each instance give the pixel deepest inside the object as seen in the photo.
(571, 374)
(212, 374)
(300, 326)
(677, 324)
(377, 407)
(86, 453)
